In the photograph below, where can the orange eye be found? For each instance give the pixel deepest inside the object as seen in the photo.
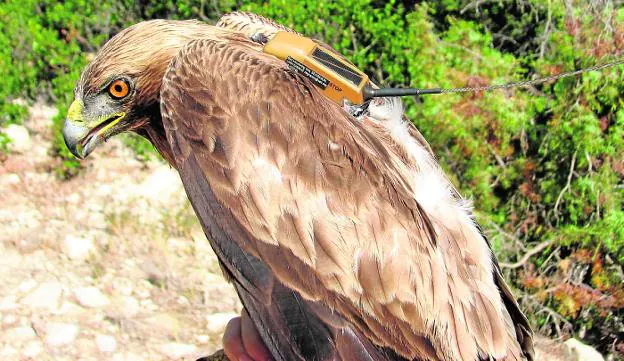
(119, 89)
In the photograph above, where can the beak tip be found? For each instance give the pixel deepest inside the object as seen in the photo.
(72, 134)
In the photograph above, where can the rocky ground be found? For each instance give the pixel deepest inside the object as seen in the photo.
(112, 264)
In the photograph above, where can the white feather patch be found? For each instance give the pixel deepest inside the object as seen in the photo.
(432, 189)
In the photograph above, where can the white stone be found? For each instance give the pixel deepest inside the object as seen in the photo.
(9, 179)
(26, 286)
(90, 297)
(127, 356)
(175, 350)
(19, 101)
(32, 349)
(162, 185)
(73, 198)
(163, 324)
(40, 151)
(216, 322)
(8, 303)
(9, 319)
(58, 334)
(183, 301)
(106, 343)
(123, 286)
(19, 334)
(149, 305)
(143, 292)
(128, 306)
(69, 309)
(77, 248)
(583, 352)
(47, 295)
(202, 339)
(8, 350)
(20, 138)
(44, 111)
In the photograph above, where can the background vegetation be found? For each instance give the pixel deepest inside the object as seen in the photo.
(544, 166)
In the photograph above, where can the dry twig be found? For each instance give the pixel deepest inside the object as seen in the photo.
(567, 186)
(540, 247)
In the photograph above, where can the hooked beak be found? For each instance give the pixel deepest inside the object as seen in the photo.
(83, 135)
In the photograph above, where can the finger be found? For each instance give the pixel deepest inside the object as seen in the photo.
(252, 342)
(232, 342)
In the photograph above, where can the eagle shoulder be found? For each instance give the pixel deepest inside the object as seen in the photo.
(326, 203)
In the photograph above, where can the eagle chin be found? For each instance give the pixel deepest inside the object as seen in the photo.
(341, 234)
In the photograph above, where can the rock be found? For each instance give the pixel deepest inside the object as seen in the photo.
(8, 303)
(550, 350)
(20, 138)
(583, 352)
(19, 101)
(77, 248)
(216, 322)
(106, 343)
(19, 334)
(9, 319)
(85, 347)
(162, 185)
(183, 301)
(32, 349)
(26, 286)
(47, 295)
(9, 179)
(41, 115)
(68, 309)
(202, 339)
(123, 286)
(126, 306)
(175, 350)
(143, 293)
(8, 350)
(58, 334)
(163, 324)
(219, 293)
(73, 198)
(90, 297)
(127, 356)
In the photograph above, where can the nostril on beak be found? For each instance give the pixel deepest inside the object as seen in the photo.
(74, 113)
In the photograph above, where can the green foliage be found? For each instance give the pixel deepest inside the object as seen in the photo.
(543, 164)
(41, 57)
(141, 146)
(4, 143)
(44, 45)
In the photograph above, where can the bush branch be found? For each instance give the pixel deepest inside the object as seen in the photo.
(540, 247)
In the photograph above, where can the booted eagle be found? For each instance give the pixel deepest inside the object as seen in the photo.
(341, 234)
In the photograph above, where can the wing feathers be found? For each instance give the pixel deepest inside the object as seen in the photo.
(330, 205)
(292, 235)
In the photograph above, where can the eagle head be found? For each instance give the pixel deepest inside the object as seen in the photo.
(120, 89)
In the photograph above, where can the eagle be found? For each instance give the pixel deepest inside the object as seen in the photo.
(340, 232)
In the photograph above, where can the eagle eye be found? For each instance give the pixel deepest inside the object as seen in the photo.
(119, 89)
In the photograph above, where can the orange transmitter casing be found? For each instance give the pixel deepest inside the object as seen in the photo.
(338, 79)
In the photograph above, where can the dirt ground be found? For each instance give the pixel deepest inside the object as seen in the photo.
(110, 265)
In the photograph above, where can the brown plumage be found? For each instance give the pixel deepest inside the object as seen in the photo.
(342, 236)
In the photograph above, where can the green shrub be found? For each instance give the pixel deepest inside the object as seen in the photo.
(541, 164)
